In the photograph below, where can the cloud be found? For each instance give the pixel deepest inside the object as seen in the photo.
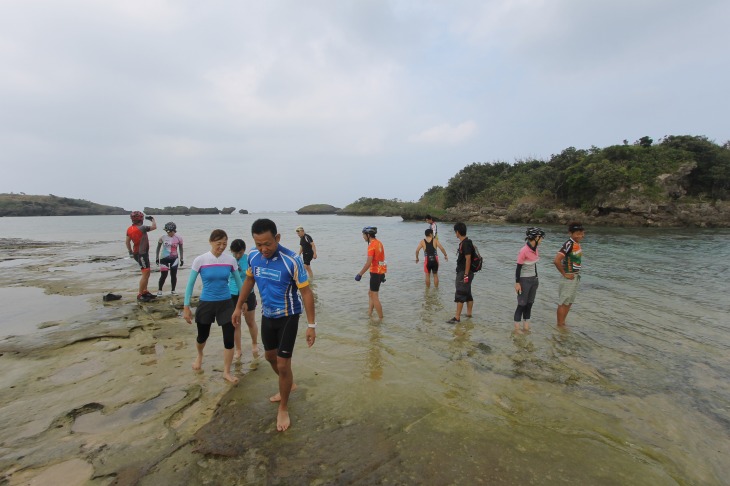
(332, 89)
(445, 134)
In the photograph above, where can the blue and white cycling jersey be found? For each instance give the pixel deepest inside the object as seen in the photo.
(278, 279)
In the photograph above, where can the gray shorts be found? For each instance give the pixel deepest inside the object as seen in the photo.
(463, 290)
(568, 290)
(529, 290)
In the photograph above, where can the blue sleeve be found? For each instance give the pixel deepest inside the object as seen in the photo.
(232, 282)
(189, 288)
(237, 276)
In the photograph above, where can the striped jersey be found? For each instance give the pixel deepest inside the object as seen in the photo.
(215, 272)
(572, 256)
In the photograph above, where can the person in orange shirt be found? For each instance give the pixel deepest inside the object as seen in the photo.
(138, 246)
(376, 264)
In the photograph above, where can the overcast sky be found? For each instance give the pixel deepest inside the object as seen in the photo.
(273, 105)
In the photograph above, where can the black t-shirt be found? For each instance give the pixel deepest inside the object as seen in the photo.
(306, 244)
(466, 247)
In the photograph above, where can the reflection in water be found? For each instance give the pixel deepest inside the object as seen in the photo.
(432, 307)
(461, 344)
(524, 358)
(374, 360)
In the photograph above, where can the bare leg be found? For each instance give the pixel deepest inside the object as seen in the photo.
(198, 363)
(469, 306)
(227, 360)
(375, 302)
(459, 306)
(310, 273)
(286, 381)
(272, 358)
(436, 279)
(253, 330)
(282, 367)
(526, 326)
(518, 328)
(428, 279)
(237, 343)
(563, 310)
(143, 281)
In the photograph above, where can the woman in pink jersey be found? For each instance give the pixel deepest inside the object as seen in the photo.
(526, 282)
(171, 245)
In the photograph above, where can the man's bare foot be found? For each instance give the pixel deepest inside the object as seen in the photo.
(282, 420)
(198, 363)
(237, 355)
(230, 378)
(255, 350)
(277, 397)
(518, 330)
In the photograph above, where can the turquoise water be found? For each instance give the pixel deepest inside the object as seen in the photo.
(636, 391)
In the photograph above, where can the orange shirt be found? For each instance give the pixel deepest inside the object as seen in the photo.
(375, 250)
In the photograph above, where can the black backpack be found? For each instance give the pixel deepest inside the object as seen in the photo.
(476, 259)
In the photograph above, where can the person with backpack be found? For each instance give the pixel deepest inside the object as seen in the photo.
(464, 273)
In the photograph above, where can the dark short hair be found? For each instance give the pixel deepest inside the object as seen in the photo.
(428, 232)
(238, 245)
(217, 234)
(261, 226)
(428, 216)
(575, 226)
(461, 228)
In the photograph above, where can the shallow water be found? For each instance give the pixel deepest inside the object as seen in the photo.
(27, 308)
(635, 391)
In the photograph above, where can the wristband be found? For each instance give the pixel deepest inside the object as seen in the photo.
(312, 325)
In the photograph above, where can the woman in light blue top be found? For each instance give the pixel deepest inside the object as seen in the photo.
(215, 304)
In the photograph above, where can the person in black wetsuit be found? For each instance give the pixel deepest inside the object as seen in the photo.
(430, 245)
(307, 250)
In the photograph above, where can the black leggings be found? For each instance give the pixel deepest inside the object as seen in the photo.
(173, 277)
(228, 331)
(523, 312)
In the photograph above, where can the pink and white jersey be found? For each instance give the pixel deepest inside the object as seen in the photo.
(528, 258)
(169, 248)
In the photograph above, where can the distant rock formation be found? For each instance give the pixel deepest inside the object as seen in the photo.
(318, 209)
(227, 210)
(242, 211)
(181, 210)
(29, 205)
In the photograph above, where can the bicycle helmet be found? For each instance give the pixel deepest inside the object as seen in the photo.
(137, 216)
(170, 226)
(370, 230)
(533, 233)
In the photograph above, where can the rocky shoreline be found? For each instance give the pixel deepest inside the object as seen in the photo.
(635, 213)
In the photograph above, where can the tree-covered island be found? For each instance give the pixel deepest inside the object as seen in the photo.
(680, 181)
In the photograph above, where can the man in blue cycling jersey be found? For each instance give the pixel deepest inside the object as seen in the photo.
(279, 273)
